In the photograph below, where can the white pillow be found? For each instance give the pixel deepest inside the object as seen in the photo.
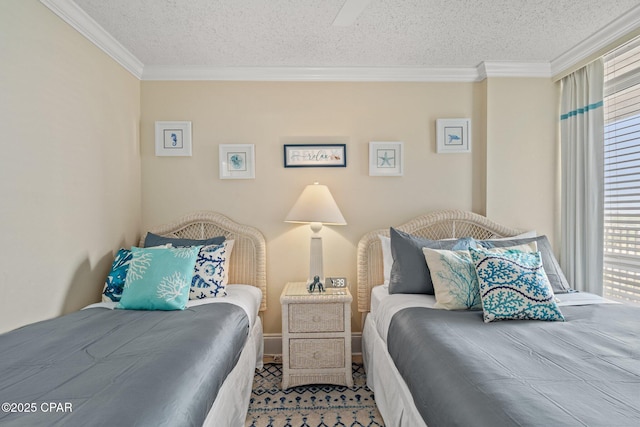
(525, 235)
(387, 258)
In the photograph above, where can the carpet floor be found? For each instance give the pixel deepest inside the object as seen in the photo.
(312, 405)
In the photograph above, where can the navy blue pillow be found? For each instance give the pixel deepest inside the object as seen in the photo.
(155, 240)
(410, 273)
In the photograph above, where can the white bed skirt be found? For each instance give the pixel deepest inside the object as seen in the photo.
(230, 407)
(392, 395)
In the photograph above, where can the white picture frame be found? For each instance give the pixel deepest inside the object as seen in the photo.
(453, 135)
(386, 158)
(237, 161)
(173, 138)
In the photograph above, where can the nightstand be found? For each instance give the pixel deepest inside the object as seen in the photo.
(316, 336)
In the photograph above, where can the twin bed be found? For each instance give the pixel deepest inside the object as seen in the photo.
(438, 367)
(106, 366)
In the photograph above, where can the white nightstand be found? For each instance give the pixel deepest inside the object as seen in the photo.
(316, 336)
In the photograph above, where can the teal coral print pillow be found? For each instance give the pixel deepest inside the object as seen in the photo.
(513, 285)
(454, 279)
(210, 276)
(115, 279)
(159, 279)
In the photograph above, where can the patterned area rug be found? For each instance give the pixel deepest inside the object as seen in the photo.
(310, 406)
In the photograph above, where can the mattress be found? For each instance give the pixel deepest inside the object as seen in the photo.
(395, 401)
(386, 305)
(93, 361)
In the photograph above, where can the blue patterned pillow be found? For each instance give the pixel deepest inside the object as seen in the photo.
(454, 276)
(514, 286)
(159, 278)
(210, 276)
(115, 280)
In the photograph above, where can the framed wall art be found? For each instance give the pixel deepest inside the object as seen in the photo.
(453, 135)
(173, 138)
(237, 161)
(315, 155)
(386, 159)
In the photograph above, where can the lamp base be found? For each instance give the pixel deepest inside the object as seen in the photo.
(315, 260)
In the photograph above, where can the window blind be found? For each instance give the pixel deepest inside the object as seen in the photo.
(622, 173)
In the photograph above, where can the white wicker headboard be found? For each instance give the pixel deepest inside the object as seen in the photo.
(435, 225)
(248, 257)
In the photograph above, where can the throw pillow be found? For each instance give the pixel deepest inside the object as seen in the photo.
(514, 285)
(454, 279)
(114, 283)
(551, 266)
(211, 273)
(115, 279)
(159, 279)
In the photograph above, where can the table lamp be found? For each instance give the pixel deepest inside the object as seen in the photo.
(316, 207)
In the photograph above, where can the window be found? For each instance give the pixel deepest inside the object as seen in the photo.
(622, 172)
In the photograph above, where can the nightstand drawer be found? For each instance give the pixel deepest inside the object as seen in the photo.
(316, 317)
(316, 353)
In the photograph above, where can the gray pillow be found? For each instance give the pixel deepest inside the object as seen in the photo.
(409, 273)
(550, 264)
(156, 240)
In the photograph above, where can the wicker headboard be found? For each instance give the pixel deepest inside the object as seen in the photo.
(248, 257)
(435, 225)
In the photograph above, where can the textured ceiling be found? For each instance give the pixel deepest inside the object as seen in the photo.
(388, 33)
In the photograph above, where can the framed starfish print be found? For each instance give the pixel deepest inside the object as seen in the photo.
(386, 158)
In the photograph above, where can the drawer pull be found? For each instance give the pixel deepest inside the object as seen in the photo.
(317, 355)
(317, 318)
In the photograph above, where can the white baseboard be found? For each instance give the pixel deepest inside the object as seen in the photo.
(273, 344)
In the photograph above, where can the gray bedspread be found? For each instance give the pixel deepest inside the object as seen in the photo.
(120, 367)
(463, 372)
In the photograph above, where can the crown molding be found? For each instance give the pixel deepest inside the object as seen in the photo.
(311, 74)
(488, 69)
(598, 41)
(351, 74)
(71, 13)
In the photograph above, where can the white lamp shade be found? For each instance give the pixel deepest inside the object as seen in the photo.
(316, 204)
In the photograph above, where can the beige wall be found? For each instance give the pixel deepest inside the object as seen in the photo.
(270, 114)
(522, 153)
(69, 164)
